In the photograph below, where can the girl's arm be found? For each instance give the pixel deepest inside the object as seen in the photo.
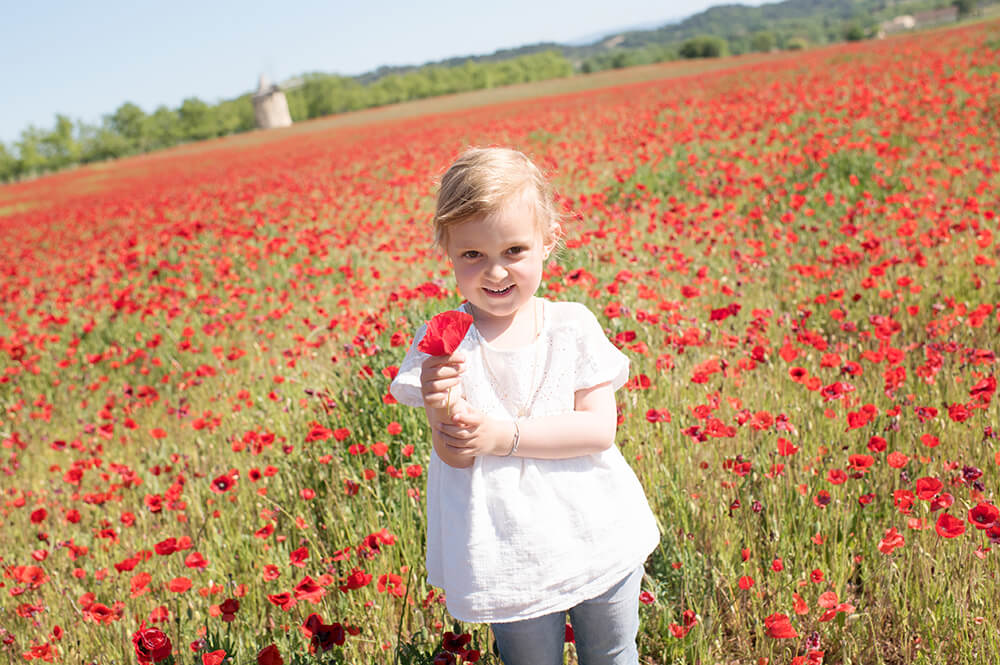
(589, 428)
(435, 418)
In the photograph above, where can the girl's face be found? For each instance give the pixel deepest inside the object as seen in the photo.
(498, 260)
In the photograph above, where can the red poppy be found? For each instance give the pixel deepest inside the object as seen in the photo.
(927, 488)
(949, 526)
(445, 332)
(166, 547)
(357, 579)
(786, 448)
(455, 643)
(179, 584)
(270, 655)
(943, 500)
(322, 637)
(298, 557)
(897, 460)
(213, 657)
(984, 388)
(283, 600)
(308, 589)
(195, 560)
(891, 541)
(983, 515)
(151, 645)
(930, 440)
(779, 627)
(224, 483)
(228, 609)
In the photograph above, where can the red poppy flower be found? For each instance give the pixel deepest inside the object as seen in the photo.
(151, 645)
(322, 637)
(891, 541)
(949, 526)
(786, 448)
(445, 332)
(455, 643)
(984, 388)
(943, 500)
(927, 488)
(357, 579)
(779, 627)
(308, 589)
(984, 515)
(298, 557)
(213, 657)
(270, 655)
(179, 584)
(166, 547)
(283, 600)
(223, 483)
(195, 560)
(228, 609)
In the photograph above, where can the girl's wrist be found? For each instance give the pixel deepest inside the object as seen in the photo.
(510, 448)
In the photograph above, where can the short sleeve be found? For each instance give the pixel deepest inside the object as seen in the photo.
(597, 360)
(406, 386)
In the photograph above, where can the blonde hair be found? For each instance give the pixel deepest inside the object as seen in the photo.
(482, 180)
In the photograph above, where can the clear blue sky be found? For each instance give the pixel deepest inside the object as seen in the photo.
(84, 59)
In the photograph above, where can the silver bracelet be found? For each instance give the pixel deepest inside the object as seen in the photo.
(517, 439)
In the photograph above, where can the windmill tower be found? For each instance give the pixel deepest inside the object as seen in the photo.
(269, 104)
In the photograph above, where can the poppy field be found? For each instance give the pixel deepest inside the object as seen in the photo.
(200, 461)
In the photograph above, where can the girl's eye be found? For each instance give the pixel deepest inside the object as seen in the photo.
(471, 254)
(516, 250)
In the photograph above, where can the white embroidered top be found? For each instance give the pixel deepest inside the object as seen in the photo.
(514, 538)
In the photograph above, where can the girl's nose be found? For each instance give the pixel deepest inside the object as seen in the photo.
(496, 271)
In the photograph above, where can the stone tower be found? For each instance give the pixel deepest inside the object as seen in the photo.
(270, 106)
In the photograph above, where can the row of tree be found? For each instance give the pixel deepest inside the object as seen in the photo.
(718, 31)
(130, 130)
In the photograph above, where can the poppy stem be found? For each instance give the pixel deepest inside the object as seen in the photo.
(406, 594)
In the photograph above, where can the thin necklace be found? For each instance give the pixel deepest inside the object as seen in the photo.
(521, 411)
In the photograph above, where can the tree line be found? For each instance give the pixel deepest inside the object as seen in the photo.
(716, 32)
(129, 130)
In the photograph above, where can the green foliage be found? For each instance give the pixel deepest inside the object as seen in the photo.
(8, 163)
(762, 41)
(100, 143)
(965, 7)
(197, 119)
(166, 129)
(796, 44)
(129, 130)
(621, 58)
(853, 32)
(704, 46)
(133, 126)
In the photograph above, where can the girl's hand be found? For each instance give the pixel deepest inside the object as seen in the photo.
(438, 375)
(470, 433)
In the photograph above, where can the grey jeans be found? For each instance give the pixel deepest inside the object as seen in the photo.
(604, 628)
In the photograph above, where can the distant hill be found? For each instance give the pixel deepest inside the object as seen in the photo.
(718, 31)
(797, 22)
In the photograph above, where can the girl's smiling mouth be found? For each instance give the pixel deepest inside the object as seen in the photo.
(498, 292)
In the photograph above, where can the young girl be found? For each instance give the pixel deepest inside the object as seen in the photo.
(532, 512)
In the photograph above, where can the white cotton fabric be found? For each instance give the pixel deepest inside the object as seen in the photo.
(514, 538)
